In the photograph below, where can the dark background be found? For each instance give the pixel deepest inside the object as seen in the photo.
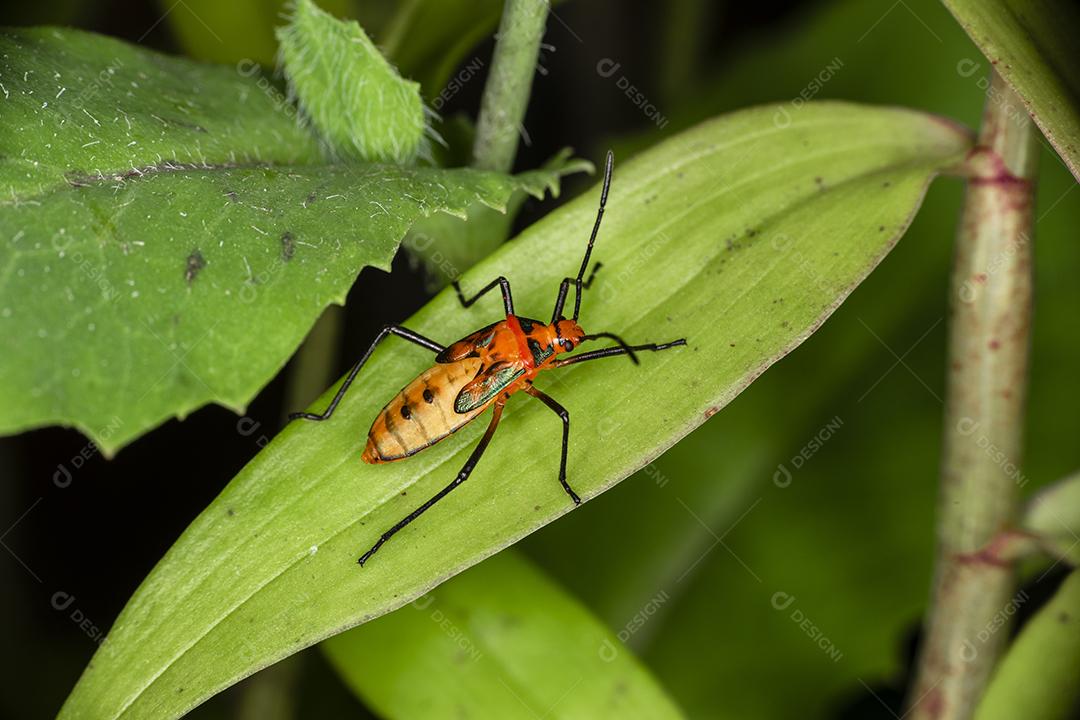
(851, 538)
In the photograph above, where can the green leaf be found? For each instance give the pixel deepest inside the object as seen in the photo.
(78, 106)
(1032, 45)
(355, 99)
(151, 262)
(500, 640)
(1053, 516)
(1037, 678)
(741, 235)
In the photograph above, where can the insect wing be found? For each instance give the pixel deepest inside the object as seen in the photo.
(487, 385)
(468, 346)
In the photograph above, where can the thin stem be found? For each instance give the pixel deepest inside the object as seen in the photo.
(506, 93)
(987, 388)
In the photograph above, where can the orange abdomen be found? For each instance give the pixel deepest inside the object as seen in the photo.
(421, 414)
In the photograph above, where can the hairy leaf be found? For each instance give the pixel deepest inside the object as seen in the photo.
(741, 235)
(355, 99)
(78, 106)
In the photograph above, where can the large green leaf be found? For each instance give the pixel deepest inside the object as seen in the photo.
(79, 106)
(152, 262)
(741, 235)
(500, 640)
(1032, 45)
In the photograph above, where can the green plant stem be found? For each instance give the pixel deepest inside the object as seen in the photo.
(506, 93)
(987, 385)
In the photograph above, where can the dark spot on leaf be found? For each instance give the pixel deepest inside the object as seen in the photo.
(886, 184)
(195, 263)
(881, 228)
(1064, 618)
(230, 512)
(232, 196)
(310, 198)
(994, 344)
(288, 246)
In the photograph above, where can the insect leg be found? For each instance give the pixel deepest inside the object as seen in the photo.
(608, 352)
(564, 287)
(565, 417)
(386, 331)
(503, 284)
(462, 476)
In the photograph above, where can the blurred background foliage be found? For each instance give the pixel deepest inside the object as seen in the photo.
(773, 587)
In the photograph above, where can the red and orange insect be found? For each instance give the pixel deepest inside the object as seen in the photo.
(479, 371)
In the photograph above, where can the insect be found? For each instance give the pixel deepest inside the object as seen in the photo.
(479, 371)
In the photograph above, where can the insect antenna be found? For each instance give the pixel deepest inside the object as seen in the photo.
(608, 166)
(621, 343)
